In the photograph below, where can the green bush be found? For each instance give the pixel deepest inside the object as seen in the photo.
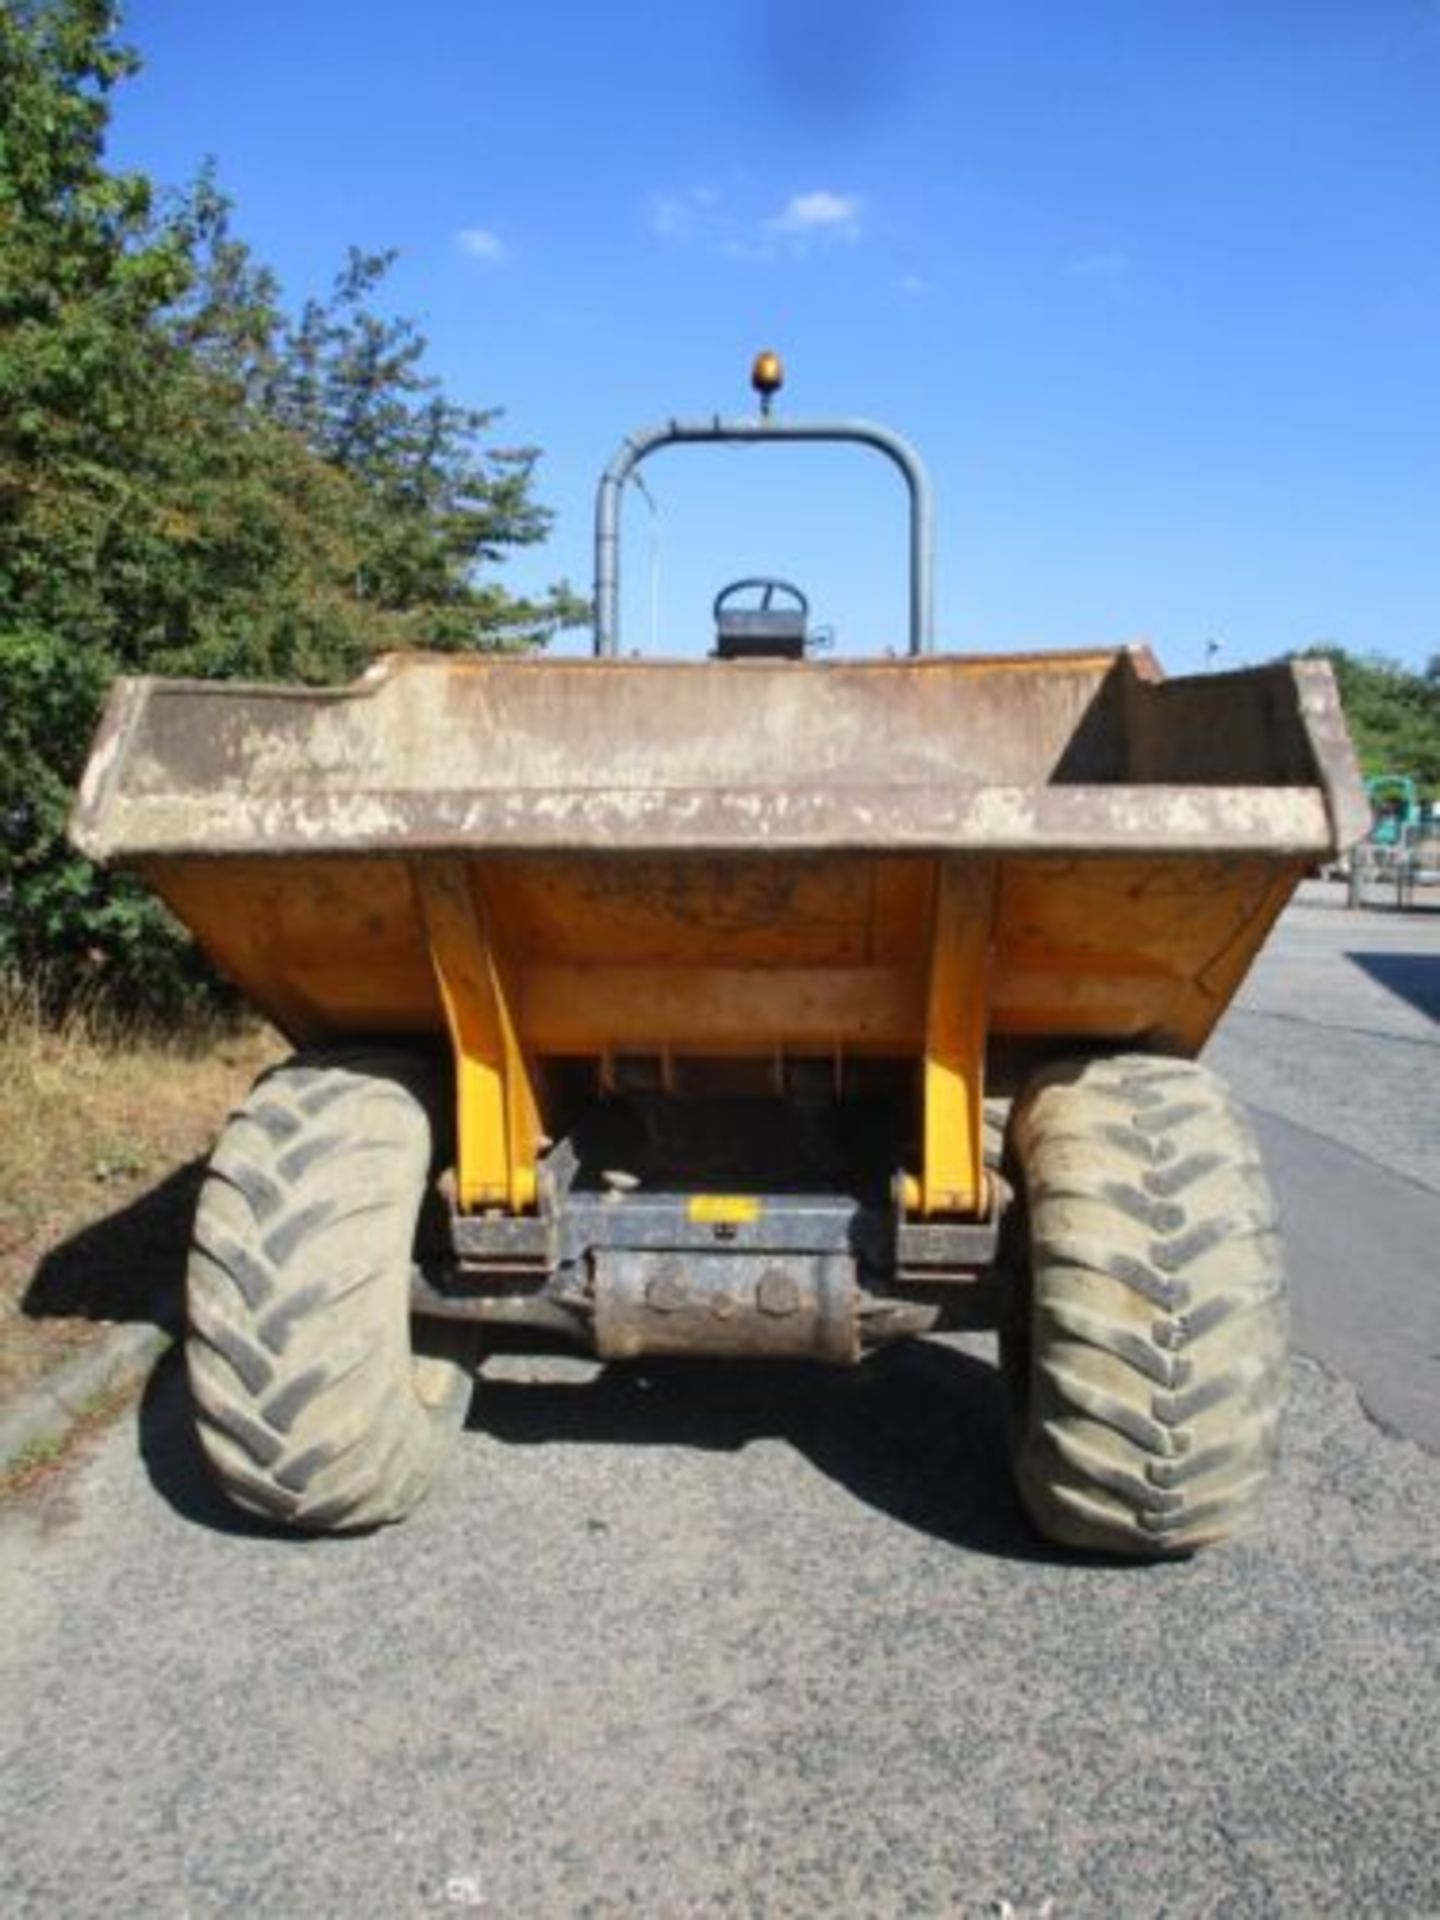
(1393, 714)
(191, 482)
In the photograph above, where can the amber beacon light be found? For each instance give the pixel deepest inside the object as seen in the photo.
(767, 376)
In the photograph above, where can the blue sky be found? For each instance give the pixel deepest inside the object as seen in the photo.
(1153, 285)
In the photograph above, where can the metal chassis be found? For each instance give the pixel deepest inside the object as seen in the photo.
(499, 1162)
(637, 1272)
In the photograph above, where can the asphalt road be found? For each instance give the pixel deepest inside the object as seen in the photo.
(767, 1643)
(1334, 1043)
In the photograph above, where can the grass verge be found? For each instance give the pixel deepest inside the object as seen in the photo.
(102, 1137)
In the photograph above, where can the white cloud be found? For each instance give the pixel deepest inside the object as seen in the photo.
(708, 219)
(479, 243)
(913, 283)
(673, 216)
(819, 214)
(691, 215)
(669, 216)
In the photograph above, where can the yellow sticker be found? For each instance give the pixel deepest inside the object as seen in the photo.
(723, 1209)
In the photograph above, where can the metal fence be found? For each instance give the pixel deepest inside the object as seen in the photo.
(1403, 873)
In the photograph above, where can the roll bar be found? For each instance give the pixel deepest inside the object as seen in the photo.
(679, 432)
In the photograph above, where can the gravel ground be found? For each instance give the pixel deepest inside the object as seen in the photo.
(767, 1644)
(778, 1643)
(1336, 1031)
(1334, 1043)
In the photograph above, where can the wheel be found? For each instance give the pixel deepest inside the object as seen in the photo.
(1143, 1342)
(314, 1408)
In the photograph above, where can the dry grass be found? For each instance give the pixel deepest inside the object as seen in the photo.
(100, 1136)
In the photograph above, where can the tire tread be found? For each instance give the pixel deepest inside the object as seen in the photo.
(311, 1406)
(1145, 1349)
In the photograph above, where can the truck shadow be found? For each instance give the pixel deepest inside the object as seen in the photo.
(170, 1453)
(129, 1266)
(1412, 977)
(916, 1433)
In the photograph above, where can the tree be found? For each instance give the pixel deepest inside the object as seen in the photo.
(191, 482)
(1393, 714)
(352, 385)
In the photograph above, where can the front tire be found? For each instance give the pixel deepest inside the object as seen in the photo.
(314, 1408)
(1144, 1341)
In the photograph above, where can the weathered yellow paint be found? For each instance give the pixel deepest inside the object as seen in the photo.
(741, 911)
(1213, 988)
(1136, 949)
(952, 1177)
(723, 1209)
(755, 958)
(577, 1011)
(497, 1115)
(910, 1193)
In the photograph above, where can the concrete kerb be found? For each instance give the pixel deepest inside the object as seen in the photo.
(42, 1417)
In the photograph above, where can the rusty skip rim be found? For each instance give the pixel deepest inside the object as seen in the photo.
(1314, 820)
(1282, 822)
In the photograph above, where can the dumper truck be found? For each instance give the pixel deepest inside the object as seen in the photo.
(746, 1006)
